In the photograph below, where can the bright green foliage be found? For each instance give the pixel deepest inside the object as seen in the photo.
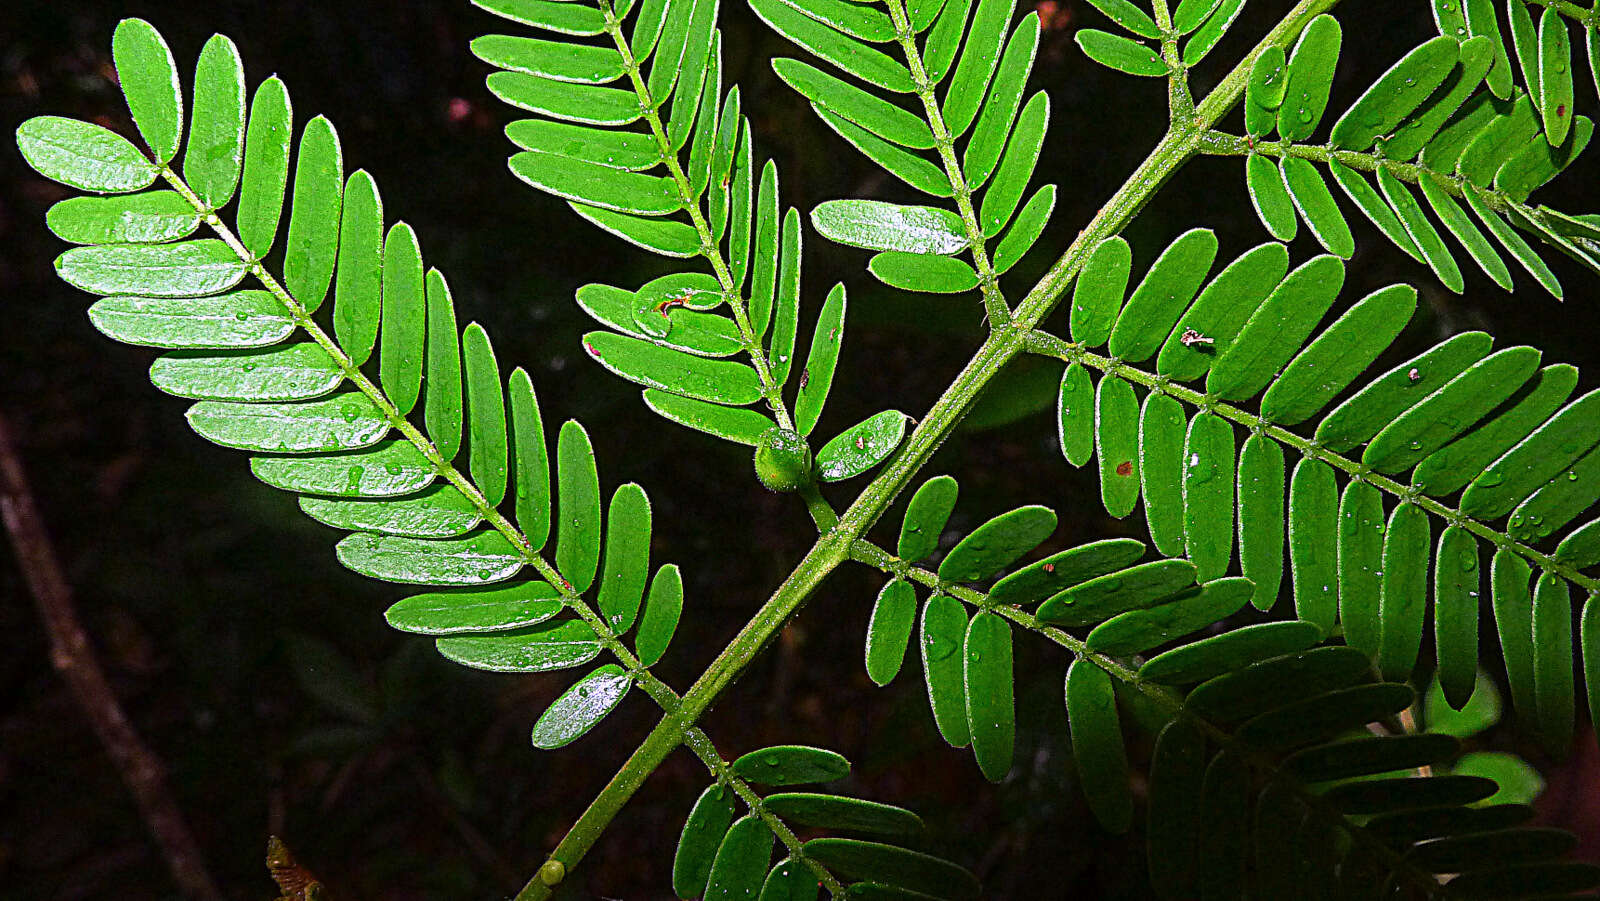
(1209, 399)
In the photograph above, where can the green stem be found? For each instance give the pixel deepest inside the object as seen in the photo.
(710, 249)
(1045, 344)
(996, 310)
(1002, 344)
(1167, 700)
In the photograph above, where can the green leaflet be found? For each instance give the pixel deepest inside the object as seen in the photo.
(1308, 78)
(846, 53)
(861, 447)
(788, 880)
(1582, 547)
(1273, 683)
(1361, 534)
(1208, 328)
(764, 265)
(877, 225)
(1327, 716)
(151, 217)
(1482, 21)
(1371, 756)
(1316, 205)
(1208, 482)
(551, 645)
(1097, 745)
(550, 15)
(1276, 330)
(1551, 448)
(343, 421)
(740, 211)
(991, 710)
(298, 371)
(558, 60)
(1097, 295)
(1000, 108)
(786, 315)
(702, 834)
(1558, 502)
(1263, 93)
(701, 71)
(1261, 518)
(581, 707)
(1341, 353)
(313, 243)
(923, 272)
(1451, 410)
(1211, 31)
(1062, 570)
(1589, 638)
(1456, 582)
(438, 512)
(1374, 207)
(1313, 551)
(184, 269)
(980, 54)
(669, 370)
(1455, 219)
(1167, 288)
(1026, 231)
(736, 424)
(1264, 183)
(1396, 94)
(1361, 417)
(149, 79)
(844, 814)
(568, 102)
(1230, 651)
(1016, 165)
(388, 469)
(1162, 425)
(83, 155)
(1105, 596)
(404, 321)
(358, 278)
(578, 506)
(1116, 441)
(1477, 55)
(939, 51)
(741, 862)
(997, 544)
(817, 377)
(660, 313)
(662, 608)
(1075, 415)
(266, 167)
(240, 319)
(629, 150)
(893, 615)
(1129, 16)
(1403, 600)
(904, 165)
(1117, 52)
(596, 185)
(876, 115)
(1513, 619)
(1140, 630)
(442, 404)
(475, 610)
(486, 416)
(923, 13)
(1534, 165)
(897, 867)
(926, 515)
(1513, 242)
(477, 559)
(1555, 76)
(1191, 13)
(853, 19)
(627, 558)
(944, 630)
(1497, 141)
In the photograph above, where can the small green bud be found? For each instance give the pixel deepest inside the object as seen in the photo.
(552, 872)
(783, 460)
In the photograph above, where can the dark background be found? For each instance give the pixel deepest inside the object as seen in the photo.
(262, 672)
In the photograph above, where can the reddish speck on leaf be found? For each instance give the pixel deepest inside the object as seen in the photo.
(1561, 110)
(591, 351)
(1125, 468)
(1049, 567)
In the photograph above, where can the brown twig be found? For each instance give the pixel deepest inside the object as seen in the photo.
(73, 657)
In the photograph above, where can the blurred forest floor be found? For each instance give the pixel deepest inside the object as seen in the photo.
(263, 674)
